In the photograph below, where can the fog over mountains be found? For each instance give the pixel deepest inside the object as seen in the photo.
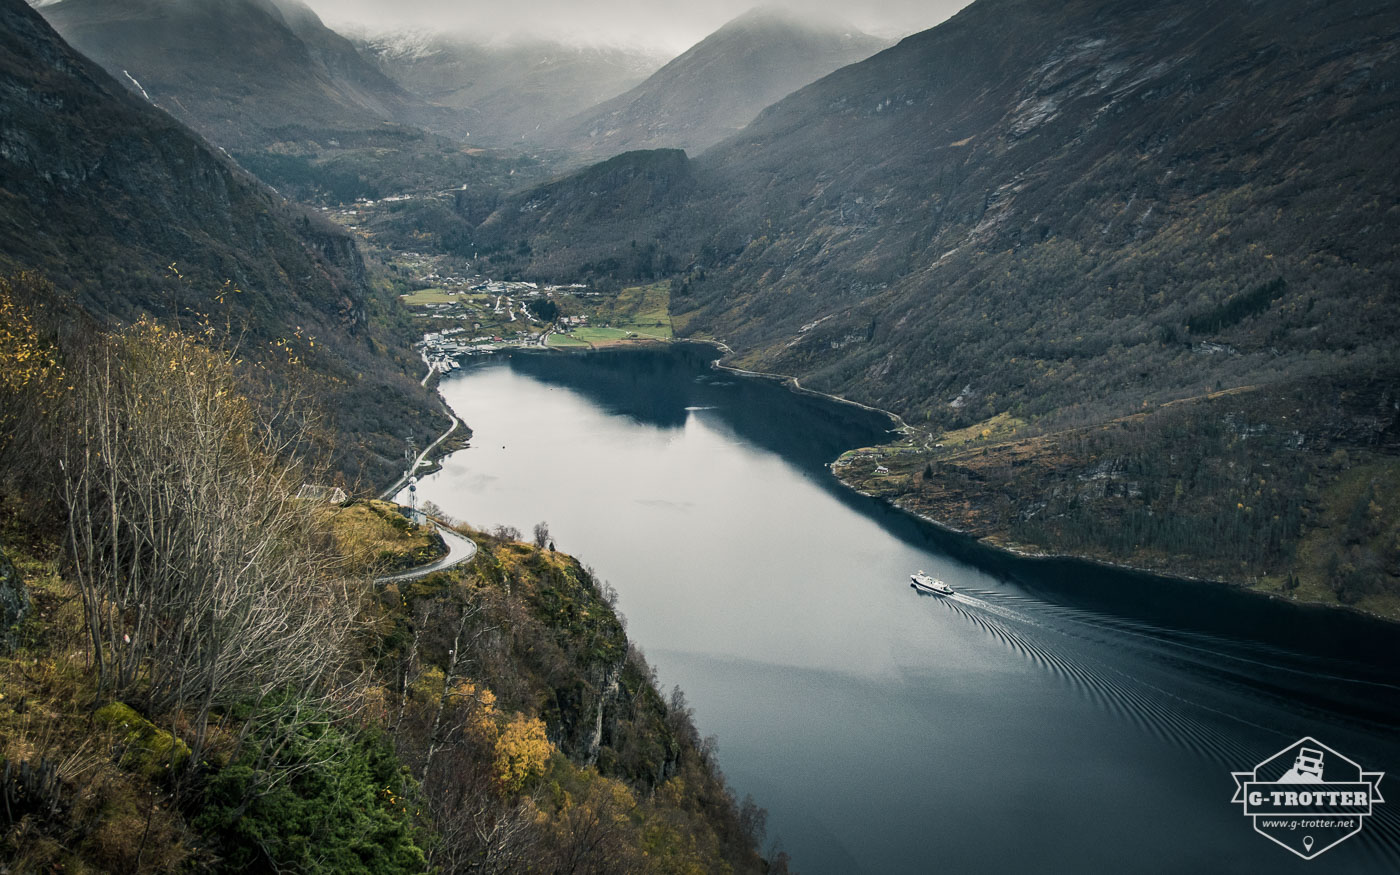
(268, 74)
(1028, 198)
(594, 102)
(507, 93)
(245, 73)
(717, 86)
(668, 27)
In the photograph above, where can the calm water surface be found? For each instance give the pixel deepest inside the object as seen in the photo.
(1051, 717)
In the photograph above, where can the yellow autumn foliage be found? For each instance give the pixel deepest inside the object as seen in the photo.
(427, 687)
(466, 691)
(31, 379)
(26, 361)
(522, 752)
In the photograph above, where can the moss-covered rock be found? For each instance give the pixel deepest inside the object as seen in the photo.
(144, 747)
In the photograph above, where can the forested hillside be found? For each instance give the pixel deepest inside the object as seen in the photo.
(199, 671)
(125, 212)
(198, 668)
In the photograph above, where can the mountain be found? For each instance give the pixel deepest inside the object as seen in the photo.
(1034, 191)
(244, 73)
(1128, 270)
(111, 198)
(502, 93)
(718, 85)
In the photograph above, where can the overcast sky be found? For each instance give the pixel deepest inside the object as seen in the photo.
(669, 25)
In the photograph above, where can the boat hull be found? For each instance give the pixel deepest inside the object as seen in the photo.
(930, 586)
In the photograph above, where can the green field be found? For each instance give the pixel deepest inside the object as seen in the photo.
(590, 334)
(644, 310)
(429, 296)
(564, 341)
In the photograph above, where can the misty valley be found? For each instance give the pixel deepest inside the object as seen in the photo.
(807, 438)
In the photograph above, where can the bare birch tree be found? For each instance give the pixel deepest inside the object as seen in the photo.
(206, 583)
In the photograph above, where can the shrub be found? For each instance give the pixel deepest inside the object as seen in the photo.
(343, 806)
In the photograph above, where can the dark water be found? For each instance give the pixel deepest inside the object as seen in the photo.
(1052, 717)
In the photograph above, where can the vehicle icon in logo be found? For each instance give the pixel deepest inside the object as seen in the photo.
(1307, 768)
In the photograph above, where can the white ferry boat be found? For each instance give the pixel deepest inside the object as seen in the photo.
(923, 583)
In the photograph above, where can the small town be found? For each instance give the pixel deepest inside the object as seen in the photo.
(469, 316)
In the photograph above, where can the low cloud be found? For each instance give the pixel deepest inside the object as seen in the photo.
(668, 25)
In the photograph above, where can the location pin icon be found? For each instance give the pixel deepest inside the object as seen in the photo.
(1308, 843)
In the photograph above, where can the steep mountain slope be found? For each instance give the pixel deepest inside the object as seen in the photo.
(1049, 204)
(590, 223)
(245, 73)
(502, 93)
(717, 86)
(103, 193)
(1128, 270)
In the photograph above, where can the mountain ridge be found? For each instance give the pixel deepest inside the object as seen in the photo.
(121, 205)
(245, 73)
(718, 85)
(504, 94)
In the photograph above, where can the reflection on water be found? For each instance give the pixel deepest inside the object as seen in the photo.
(1048, 717)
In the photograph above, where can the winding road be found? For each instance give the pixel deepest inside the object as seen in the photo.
(388, 494)
(459, 550)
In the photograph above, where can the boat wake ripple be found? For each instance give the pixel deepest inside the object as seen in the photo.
(1129, 693)
(1123, 692)
(1067, 642)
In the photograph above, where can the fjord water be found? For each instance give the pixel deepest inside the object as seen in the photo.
(1051, 717)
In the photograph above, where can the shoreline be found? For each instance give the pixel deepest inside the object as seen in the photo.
(981, 542)
(794, 384)
(429, 465)
(969, 540)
